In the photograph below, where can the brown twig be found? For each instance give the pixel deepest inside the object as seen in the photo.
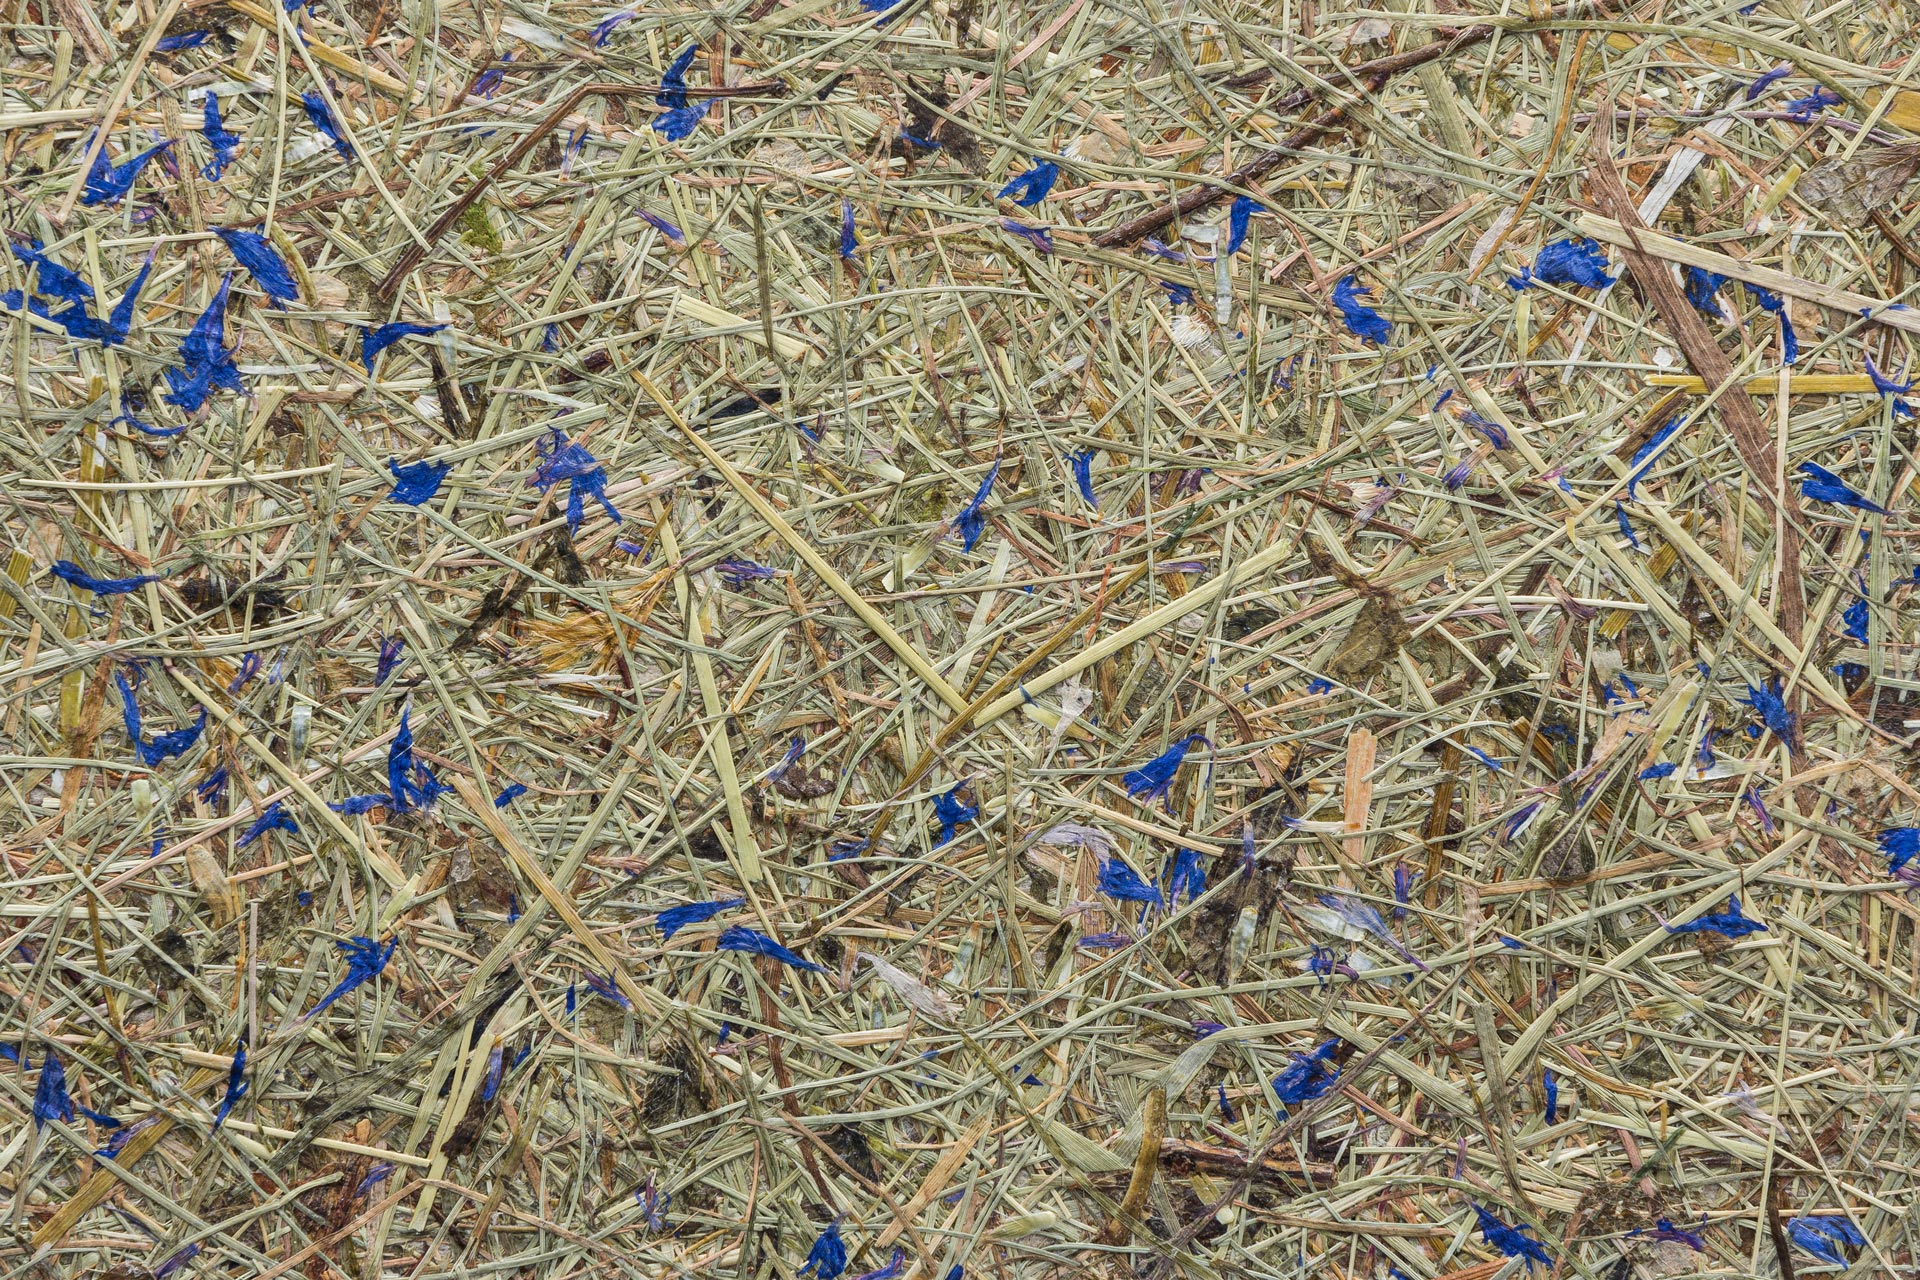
(411, 257)
(1366, 79)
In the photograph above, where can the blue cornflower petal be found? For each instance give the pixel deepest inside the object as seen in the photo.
(796, 748)
(1030, 188)
(488, 82)
(165, 745)
(1766, 79)
(673, 82)
(1082, 463)
(1361, 320)
(236, 1084)
(1822, 1235)
(184, 40)
(225, 145)
(410, 783)
(1805, 109)
(1151, 780)
(205, 362)
(1729, 923)
(1626, 527)
(68, 571)
(679, 122)
(1881, 382)
(1239, 215)
(1644, 457)
(1038, 237)
(895, 1268)
(375, 1176)
(50, 1100)
(321, 116)
(562, 459)
(374, 341)
(1323, 964)
(1770, 301)
(952, 811)
(1552, 1090)
(1855, 620)
(508, 794)
(575, 145)
(1118, 880)
(1665, 1230)
(605, 987)
(1578, 263)
(1512, 1241)
(416, 482)
(1186, 874)
(664, 227)
(970, 521)
(828, 1257)
(269, 270)
(1495, 433)
(1703, 290)
(109, 184)
(120, 322)
(1900, 845)
(674, 919)
(604, 29)
(1308, 1075)
(847, 242)
(1403, 878)
(389, 658)
(212, 789)
(15, 300)
(400, 763)
(1362, 916)
(179, 1257)
(354, 806)
(752, 942)
(1891, 389)
(740, 572)
(1519, 820)
(365, 961)
(1773, 709)
(1828, 487)
(51, 280)
(273, 818)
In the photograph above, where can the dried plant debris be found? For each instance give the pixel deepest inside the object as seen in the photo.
(1848, 188)
(896, 639)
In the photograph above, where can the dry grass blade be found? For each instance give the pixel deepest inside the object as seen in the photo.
(906, 639)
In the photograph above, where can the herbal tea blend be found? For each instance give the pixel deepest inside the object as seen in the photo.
(906, 639)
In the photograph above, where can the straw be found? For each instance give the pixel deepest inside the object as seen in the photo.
(909, 641)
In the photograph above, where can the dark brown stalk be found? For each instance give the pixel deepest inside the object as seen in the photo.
(1370, 77)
